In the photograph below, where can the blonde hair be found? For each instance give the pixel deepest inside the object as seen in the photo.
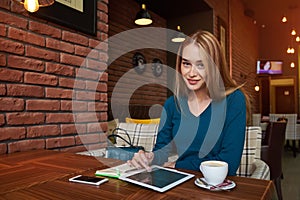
(218, 80)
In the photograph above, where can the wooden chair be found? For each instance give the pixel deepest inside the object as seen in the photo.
(271, 152)
(291, 132)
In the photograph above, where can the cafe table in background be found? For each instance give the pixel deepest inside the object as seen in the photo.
(44, 174)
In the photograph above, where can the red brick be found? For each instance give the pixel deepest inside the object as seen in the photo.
(93, 43)
(71, 59)
(75, 38)
(103, 57)
(68, 82)
(59, 45)
(25, 63)
(102, 46)
(102, 36)
(102, 116)
(72, 129)
(59, 69)
(2, 89)
(11, 104)
(12, 133)
(11, 47)
(104, 77)
(11, 75)
(3, 30)
(25, 90)
(102, 17)
(13, 20)
(47, 105)
(96, 86)
(86, 117)
(97, 65)
(41, 131)
(85, 95)
(59, 93)
(26, 145)
(90, 138)
(2, 119)
(42, 53)
(87, 74)
(3, 148)
(41, 79)
(25, 118)
(97, 127)
(2, 60)
(73, 106)
(60, 142)
(44, 29)
(98, 106)
(101, 5)
(82, 51)
(5, 4)
(25, 36)
(59, 118)
(102, 97)
(103, 27)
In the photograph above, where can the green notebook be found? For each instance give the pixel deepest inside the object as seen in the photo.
(115, 172)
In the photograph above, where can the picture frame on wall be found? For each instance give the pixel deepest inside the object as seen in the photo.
(222, 35)
(79, 15)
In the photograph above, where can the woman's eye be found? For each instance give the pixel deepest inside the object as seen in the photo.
(200, 66)
(186, 64)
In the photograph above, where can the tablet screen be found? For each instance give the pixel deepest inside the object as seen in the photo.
(159, 179)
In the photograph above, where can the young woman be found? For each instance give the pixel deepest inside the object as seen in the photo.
(206, 117)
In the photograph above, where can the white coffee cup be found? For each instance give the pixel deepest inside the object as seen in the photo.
(214, 171)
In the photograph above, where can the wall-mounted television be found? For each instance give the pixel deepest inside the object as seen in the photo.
(269, 67)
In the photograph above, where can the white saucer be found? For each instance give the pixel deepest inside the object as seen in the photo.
(226, 187)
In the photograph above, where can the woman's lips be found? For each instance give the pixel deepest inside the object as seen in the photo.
(193, 82)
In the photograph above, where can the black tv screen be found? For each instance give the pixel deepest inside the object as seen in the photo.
(269, 67)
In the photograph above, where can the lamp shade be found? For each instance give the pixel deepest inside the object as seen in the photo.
(178, 36)
(143, 17)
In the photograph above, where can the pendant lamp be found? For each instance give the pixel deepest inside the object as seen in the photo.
(179, 36)
(143, 17)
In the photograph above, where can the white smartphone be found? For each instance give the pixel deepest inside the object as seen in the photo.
(88, 180)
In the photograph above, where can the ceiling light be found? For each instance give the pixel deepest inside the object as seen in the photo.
(284, 19)
(34, 5)
(293, 32)
(292, 65)
(143, 17)
(256, 87)
(179, 36)
(297, 39)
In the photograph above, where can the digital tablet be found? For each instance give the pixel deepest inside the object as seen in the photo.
(159, 178)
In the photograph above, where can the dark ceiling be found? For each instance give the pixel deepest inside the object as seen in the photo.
(175, 8)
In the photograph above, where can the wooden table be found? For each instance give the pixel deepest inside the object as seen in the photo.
(44, 174)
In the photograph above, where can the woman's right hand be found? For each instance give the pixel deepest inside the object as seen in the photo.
(142, 159)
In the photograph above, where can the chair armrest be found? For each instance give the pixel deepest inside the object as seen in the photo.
(262, 170)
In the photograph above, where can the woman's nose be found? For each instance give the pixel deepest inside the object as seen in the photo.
(193, 71)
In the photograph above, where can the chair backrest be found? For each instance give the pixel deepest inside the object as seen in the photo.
(291, 130)
(256, 118)
(272, 151)
(251, 151)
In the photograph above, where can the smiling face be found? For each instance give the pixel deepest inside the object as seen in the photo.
(193, 67)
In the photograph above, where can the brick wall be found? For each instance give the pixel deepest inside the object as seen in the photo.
(40, 64)
(121, 19)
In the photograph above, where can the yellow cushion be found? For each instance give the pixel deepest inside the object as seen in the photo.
(143, 121)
